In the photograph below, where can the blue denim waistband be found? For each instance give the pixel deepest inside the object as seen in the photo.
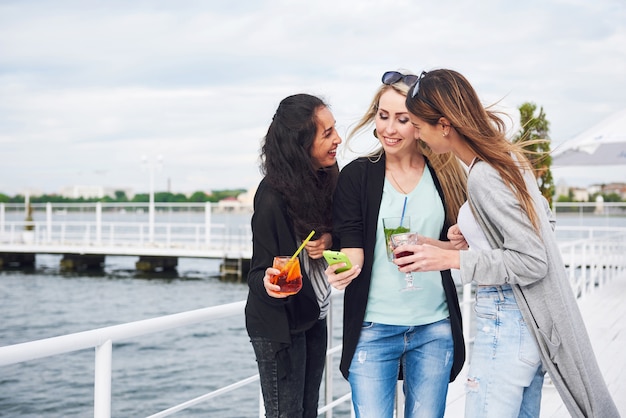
(503, 288)
(490, 291)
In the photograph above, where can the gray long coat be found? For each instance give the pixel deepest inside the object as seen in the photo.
(533, 265)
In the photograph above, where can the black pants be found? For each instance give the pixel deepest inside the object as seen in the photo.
(291, 390)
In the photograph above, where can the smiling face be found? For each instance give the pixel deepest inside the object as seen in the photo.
(393, 125)
(432, 135)
(324, 148)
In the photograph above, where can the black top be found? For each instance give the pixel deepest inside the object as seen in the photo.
(355, 218)
(273, 235)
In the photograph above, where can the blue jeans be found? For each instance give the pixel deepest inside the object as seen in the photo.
(425, 353)
(505, 376)
(291, 378)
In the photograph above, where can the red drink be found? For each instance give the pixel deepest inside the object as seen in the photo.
(287, 287)
(397, 240)
(290, 278)
(404, 254)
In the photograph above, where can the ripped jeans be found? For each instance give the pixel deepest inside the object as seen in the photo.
(505, 376)
(425, 353)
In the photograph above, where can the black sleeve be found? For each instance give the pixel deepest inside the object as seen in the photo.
(271, 236)
(347, 207)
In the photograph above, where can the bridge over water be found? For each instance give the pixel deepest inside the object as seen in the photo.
(158, 235)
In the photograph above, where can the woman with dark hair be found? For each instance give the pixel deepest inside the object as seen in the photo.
(527, 318)
(288, 333)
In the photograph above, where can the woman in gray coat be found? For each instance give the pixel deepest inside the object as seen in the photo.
(528, 321)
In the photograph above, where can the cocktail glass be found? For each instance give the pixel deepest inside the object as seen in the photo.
(290, 277)
(402, 239)
(394, 225)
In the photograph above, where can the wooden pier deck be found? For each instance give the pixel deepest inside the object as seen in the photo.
(604, 312)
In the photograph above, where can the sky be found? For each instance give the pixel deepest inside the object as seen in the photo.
(116, 93)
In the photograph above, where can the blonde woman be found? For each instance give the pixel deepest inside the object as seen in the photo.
(389, 334)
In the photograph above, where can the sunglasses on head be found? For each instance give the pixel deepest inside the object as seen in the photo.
(416, 87)
(392, 77)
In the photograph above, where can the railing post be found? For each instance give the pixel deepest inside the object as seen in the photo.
(328, 384)
(466, 314)
(399, 399)
(583, 269)
(102, 380)
(261, 404)
(98, 223)
(207, 223)
(2, 217)
(48, 222)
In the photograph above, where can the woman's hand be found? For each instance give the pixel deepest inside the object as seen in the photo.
(341, 280)
(317, 247)
(272, 289)
(456, 238)
(426, 257)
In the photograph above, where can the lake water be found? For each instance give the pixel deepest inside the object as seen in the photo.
(152, 372)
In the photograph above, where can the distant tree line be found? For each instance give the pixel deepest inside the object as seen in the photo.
(606, 197)
(120, 196)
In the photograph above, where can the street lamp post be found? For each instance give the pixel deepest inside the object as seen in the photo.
(152, 166)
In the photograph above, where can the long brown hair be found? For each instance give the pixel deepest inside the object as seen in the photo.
(451, 174)
(287, 164)
(447, 93)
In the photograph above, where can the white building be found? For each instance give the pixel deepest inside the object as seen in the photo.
(579, 194)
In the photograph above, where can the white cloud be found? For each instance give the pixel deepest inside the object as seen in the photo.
(89, 87)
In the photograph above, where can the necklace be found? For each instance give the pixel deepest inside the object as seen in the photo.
(396, 181)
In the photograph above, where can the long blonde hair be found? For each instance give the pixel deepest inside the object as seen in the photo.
(446, 93)
(451, 174)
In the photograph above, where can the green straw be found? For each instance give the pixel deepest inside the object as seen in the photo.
(302, 246)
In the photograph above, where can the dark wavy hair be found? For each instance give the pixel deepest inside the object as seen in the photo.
(287, 165)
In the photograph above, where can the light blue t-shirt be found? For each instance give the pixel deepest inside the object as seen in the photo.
(386, 303)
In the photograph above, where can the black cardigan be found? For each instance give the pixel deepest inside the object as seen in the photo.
(355, 217)
(272, 235)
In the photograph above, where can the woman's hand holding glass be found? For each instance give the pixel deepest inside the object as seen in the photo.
(426, 257)
(272, 289)
(405, 240)
(284, 278)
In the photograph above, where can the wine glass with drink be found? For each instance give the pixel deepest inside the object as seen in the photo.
(395, 225)
(403, 239)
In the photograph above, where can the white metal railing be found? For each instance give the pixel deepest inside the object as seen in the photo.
(102, 340)
(591, 262)
(193, 227)
(180, 226)
(190, 235)
(594, 259)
